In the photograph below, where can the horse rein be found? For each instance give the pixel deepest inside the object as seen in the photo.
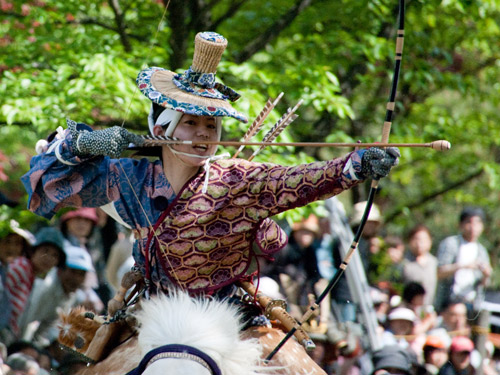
(180, 352)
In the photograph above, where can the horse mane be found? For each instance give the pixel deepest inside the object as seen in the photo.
(208, 325)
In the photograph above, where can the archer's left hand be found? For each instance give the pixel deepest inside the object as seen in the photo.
(376, 163)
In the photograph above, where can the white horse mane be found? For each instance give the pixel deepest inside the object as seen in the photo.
(210, 326)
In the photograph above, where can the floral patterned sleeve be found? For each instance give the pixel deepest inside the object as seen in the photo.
(58, 179)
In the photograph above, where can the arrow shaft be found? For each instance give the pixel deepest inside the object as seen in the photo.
(443, 145)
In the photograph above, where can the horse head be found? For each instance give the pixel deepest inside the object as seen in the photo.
(195, 336)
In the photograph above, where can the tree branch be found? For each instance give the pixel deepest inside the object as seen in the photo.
(272, 32)
(431, 196)
(228, 14)
(178, 39)
(120, 24)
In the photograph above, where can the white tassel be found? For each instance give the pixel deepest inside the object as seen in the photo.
(41, 146)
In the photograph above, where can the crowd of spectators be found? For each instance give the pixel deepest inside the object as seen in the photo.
(426, 300)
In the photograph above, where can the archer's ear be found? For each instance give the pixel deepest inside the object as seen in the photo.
(158, 130)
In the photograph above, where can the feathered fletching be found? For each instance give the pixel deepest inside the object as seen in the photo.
(259, 121)
(288, 117)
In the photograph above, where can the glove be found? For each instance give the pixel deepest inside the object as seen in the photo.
(107, 142)
(377, 162)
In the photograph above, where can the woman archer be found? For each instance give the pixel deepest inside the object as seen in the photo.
(195, 215)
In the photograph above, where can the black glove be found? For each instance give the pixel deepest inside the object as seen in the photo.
(377, 162)
(107, 142)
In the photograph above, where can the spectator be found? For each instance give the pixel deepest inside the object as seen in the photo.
(77, 227)
(295, 267)
(459, 357)
(47, 252)
(391, 359)
(14, 242)
(463, 262)
(452, 321)
(399, 331)
(60, 289)
(413, 298)
(455, 318)
(420, 265)
(435, 352)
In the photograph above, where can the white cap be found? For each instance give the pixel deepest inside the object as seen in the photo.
(402, 313)
(78, 258)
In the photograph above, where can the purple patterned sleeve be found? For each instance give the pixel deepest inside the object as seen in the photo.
(290, 187)
(58, 179)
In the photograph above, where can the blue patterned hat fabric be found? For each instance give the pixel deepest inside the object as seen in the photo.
(195, 92)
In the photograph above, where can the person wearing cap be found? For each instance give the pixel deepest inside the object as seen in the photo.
(435, 353)
(77, 225)
(463, 262)
(39, 318)
(459, 355)
(206, 210)
(46, 253)
(400, 330)
(14, 242)
(391, 359)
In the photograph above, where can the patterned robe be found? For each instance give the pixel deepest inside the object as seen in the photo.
(200, 241)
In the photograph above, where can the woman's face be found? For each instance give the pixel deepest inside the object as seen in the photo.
(196, 128)
(80, 226)
(420, 243)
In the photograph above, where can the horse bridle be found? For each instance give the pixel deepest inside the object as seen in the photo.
(180, 352)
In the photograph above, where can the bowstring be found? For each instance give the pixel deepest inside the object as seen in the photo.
(127, 112)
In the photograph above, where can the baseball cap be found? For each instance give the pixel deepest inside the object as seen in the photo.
(78, 258)
(461, 344)
(82, 212)
(435, 342)
(402, 313)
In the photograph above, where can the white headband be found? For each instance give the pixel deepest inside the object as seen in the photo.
(167, 116)
(171, 117)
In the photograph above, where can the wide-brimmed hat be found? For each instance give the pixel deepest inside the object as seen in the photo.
(195, 92)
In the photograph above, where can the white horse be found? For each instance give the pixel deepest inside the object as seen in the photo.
(181, 335)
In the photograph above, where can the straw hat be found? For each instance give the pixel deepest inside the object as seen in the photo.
(195, 92)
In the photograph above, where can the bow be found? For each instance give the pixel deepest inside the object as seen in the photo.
(386, 129)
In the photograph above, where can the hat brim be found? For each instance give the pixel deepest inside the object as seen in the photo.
(158, 86)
